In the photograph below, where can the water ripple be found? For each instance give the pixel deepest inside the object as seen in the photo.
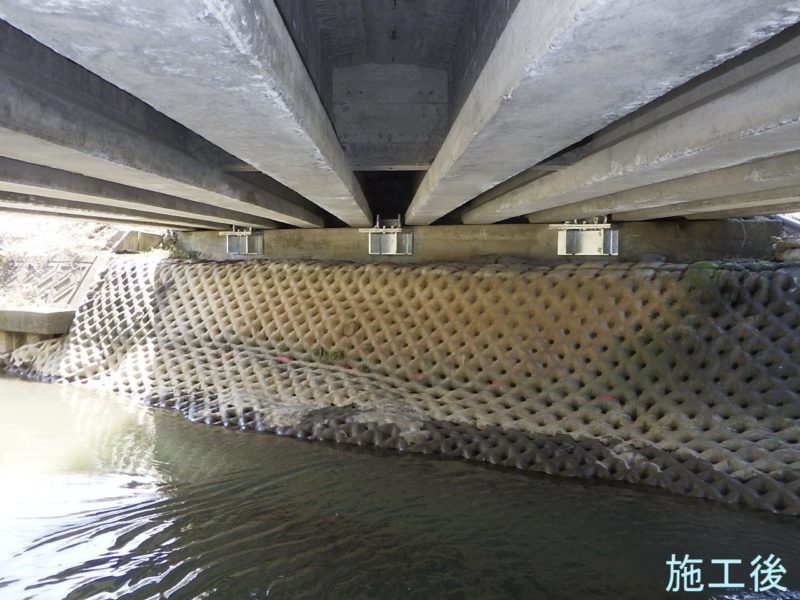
(211, 513)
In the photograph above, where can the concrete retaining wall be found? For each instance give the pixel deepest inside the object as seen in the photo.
(20, 327)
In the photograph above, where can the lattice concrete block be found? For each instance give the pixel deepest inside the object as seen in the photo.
(685, 378)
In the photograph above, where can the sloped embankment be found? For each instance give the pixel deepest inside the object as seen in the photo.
(685, 378)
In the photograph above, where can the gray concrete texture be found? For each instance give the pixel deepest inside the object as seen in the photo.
(19, 327)
(26, 178)
(137, 241)
(11, 340)
(55, 113)
(304, 92)
(562, 71)
(789, 206)
(227, 70)
(451, 37)
(757, 177)
(482, 27)
(43, 322)
(680, 242)
(779, 50)
(390, 117)
(756, 119)
(90, 215)
(56, 206)
(758, 200)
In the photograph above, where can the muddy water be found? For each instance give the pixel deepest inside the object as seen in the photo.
(101, 498)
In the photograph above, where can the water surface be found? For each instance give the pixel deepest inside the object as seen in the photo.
(103, 498)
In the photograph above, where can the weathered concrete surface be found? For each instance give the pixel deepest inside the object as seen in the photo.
(673, 241)
(21, 327)
(761, 201)
(561, 71)
(338, 33)
(390, 116)
(791, 206)
(43, 322)
(137, 241)
(54, 113)
(482, 27)
(776, 52)
(753, 121)
(26, 178)
(754, 177)
(56, 206)
(11, 340)
(227, 70)
(452, 37)
(89, 216)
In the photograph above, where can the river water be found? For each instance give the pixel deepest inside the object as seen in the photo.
(103, 498)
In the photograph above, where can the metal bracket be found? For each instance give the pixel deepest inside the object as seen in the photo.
(242, 241)
(587, 239)
(388, 238)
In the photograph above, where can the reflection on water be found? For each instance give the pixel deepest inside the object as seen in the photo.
(102, 498)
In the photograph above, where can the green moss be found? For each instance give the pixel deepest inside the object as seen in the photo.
(322, 355)
(699, 273)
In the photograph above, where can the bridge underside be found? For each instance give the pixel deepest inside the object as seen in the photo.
(275, 114)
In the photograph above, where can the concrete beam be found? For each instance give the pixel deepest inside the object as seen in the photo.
(57, 206)
(26, 178)
(563, 70)
(758, 176)
(751, 122)
(54, 113)
(21, 210)
(227, 70)
(780, 49)
(781, 207)
(756, 201)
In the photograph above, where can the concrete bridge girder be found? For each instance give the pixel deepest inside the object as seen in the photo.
(758, 179)
(275, 112)
(541, 90)
(716, 134)
(35, 180)
(26, 203)
(729, 203)
(54, 113)
(94, 146)
(228, 71)
(787, 205)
